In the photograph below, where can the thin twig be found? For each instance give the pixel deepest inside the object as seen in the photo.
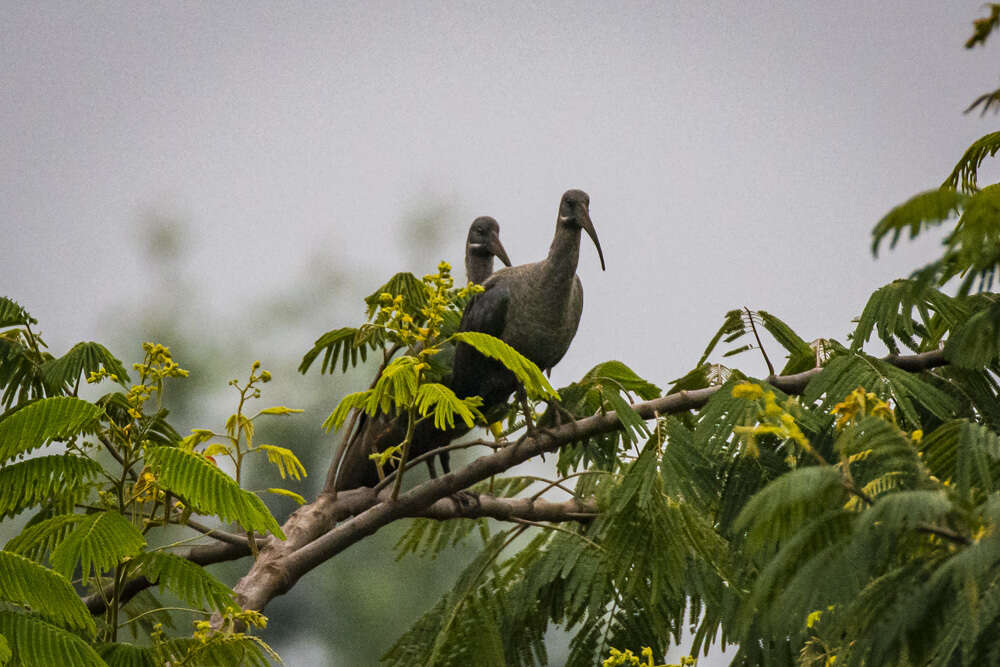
(760, 345)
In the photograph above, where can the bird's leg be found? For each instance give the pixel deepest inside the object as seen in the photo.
(561, 412)
(529, 422)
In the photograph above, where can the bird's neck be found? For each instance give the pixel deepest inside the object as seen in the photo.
(564, 253)
(478, 267)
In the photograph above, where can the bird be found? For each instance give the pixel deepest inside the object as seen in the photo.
(374, 434)
(535, 308)
(481, 246)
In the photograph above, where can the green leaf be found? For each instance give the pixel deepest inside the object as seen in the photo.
(524, 369)
(413, 290)
(346, 344)
(446, 405)
(36, 643)
(890, 310)
(122, 654)
(285, 460)
(623, 378)
(28, 584)
(20, 368)
(82, 360)
(13, 314)
(43, 421)
(966, 171)
(208, 489)
(288, 494)
(976, 343)
(847, 372)
(965, 455)
(42, 537)
(973, 248)
(776, 512)
(222, 649)
(188, 581)
(98, 543)
(918, 213)
(397, 386)
(30, 482)
(732, 325)
(357, 400)
(280, 410)
(801, 356)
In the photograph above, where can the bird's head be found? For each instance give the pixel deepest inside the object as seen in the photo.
(574, 209)
(484, 239)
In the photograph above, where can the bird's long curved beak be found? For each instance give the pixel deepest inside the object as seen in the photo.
(589, 226)
(496, 248)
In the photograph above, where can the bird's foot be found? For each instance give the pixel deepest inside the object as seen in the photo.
(465, 500)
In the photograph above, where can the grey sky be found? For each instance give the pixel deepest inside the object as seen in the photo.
(735, 153)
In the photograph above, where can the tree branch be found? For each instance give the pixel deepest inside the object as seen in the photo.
(314, 536)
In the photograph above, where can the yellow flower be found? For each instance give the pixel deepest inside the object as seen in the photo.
(747, 390)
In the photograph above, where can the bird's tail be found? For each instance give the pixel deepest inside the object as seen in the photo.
(374, 434)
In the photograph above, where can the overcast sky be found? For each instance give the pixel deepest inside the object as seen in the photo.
(735, 153)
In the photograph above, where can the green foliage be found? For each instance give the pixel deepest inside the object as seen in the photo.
(35, 643)
(347, 344)
(976, 342)
(44, 421)
(25, 583)
(27, 483)
(122, 654)
(890, 309)
(99, 541)
(923, 211)
(527, 373)
(82, 360)
(205, 487)
(965, 173)
(184, 579)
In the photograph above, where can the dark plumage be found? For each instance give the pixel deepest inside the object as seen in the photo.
(356, 469)
(481, 246)
(535, 308)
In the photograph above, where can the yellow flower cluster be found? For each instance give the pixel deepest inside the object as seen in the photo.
(626, 657)
(772, 418)
(859, 404)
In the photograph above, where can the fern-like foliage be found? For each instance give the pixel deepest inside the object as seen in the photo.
(25, 583)
(917, 400)
(63, 477)
(608, 386)
(976, 342)
(919, 213)
(983, 27)
(346, 344)
(44, 421)
(123, 654)
(184, 579)
(210, 490)
(890, 311)
(81, 360)
(35, 643)
(218, 649)
(41, 537)
(527, 373)
(97, 543)
(13, 314)
(965, 173)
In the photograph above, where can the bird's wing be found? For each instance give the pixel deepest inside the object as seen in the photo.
(487, 311)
